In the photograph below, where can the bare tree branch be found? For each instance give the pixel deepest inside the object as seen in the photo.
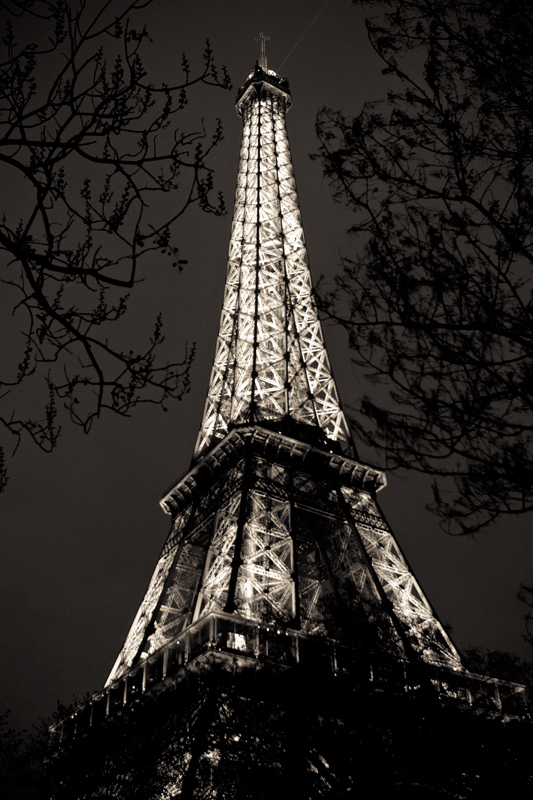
(88, 143)
(437, 300)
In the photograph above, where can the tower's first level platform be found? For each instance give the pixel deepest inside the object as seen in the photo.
(239, 644)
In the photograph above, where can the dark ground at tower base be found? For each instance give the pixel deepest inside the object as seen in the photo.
(227, 731)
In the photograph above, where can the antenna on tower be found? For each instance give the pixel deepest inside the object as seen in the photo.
(262, 58)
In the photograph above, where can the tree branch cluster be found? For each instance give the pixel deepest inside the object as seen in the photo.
(88, 142)
(437, 300)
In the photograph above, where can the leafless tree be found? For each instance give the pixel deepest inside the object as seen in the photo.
(88, 143)
(437, 299)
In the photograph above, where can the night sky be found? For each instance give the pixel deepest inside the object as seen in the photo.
(82, 528)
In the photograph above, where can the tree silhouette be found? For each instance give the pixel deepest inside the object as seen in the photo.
(502, 665)
(437, 300)
(88, 143)
(526, 596)
(246, 732)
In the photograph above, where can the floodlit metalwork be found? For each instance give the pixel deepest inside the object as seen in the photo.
(276, 519)
(271, 529)
(270, 360)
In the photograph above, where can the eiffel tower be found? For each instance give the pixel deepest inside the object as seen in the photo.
(279, 570)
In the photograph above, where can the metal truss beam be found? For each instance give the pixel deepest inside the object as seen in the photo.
(270, 359)
(268, 528)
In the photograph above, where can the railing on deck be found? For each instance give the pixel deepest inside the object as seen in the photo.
(225, 633)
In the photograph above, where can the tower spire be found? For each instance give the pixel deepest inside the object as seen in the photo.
(271, 366)
(263, 58)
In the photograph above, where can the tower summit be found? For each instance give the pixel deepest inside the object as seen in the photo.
(281, 605)
(271, 366)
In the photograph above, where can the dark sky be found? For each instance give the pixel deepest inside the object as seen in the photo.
(82, 528)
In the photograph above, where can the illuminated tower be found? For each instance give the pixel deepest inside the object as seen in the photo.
(275, 513)
(279, 563)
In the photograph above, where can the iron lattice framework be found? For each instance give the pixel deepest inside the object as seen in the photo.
(275, 517)
(271, 529)
(270, 360)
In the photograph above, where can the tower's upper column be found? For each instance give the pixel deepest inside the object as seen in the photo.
(271, 366)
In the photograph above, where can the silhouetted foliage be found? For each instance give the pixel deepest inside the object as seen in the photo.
(437, 300)
(363, 624)
(11, 749)
(526, 596)
(255, 731)
(501, 665)
(23, 758)
(89, 141)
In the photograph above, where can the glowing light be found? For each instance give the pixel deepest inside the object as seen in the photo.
(270, 360)
(237, 641)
